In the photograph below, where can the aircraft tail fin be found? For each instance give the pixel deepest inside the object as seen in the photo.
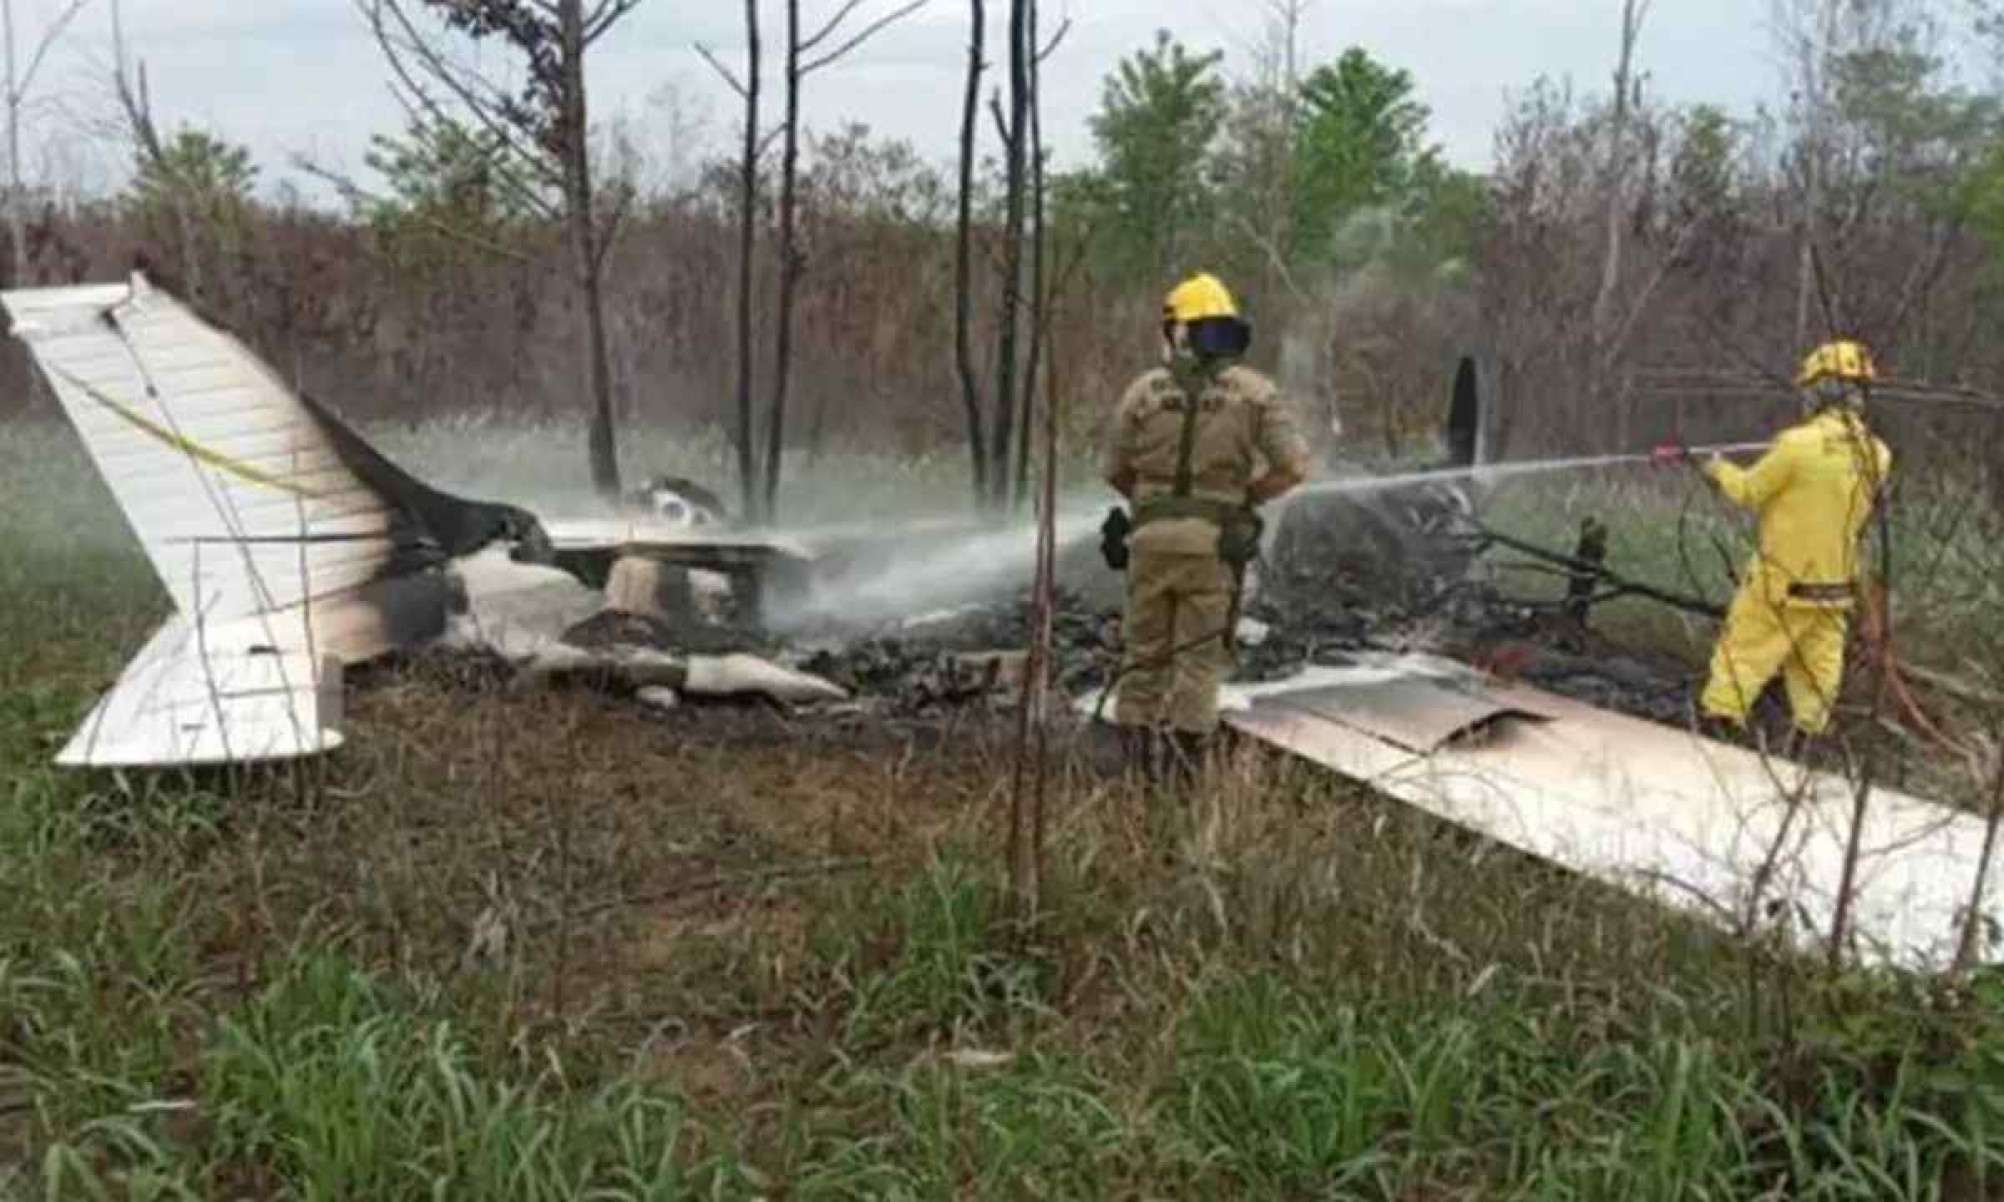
(240, 499)
(283, 539)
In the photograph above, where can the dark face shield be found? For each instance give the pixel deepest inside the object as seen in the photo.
(1833, 393)
(1220, 337)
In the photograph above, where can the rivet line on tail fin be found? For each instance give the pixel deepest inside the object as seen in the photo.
(188, 446)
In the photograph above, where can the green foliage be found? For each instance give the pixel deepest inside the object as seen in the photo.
(1160, 112)
(197, 174)
(1702, 173)
(443, 176)
(341, 1091)
(1361, 145)
(1335, 174)
(1040, 1126)
(944, 963)
(1909, 123)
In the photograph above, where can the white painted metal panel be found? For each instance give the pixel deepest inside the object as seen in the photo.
(516, 609)
(1657, 811)
(272, 549)
(591, 534)
(215, 464)
(214, 694)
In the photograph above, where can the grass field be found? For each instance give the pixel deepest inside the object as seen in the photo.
(521, 945)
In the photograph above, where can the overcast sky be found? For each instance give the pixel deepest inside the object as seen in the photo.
(293, 77)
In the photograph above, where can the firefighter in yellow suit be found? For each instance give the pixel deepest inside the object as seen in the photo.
(1197, 445)
(1813, 490)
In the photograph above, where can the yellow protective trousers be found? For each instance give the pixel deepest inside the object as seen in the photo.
(1763, 636)
(1178, 609)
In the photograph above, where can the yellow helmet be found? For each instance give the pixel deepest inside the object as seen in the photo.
(1844, 359)
(1199, 297)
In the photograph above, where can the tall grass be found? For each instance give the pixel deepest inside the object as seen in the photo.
(220, 986)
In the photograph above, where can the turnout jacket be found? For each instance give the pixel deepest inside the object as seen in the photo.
(1242, 427)
(1813, 491)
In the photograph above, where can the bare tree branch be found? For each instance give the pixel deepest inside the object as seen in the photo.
(963, 289)
(605, 16)
(133, 100)
(1271, 250)
(768, 138)
(730, 77)
(17, 91)
(137, 104)
(455, 81)
(614, 222)
(868, 32)
(1618, 344)
(1922, 279)
(1057, 39)
(548, 128)
(49, 38)
(834, 23)
(1001, 120)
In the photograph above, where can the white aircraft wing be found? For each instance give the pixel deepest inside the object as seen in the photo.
(214, 694)
(1688, 822)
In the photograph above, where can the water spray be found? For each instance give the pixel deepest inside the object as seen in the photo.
(1483, 473)
(939, 562)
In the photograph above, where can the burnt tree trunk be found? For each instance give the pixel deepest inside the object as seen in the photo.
(748, 487)
(1039, 302)
(1009, 318)
(584, 249)
(584, 238)
(963, 297)
(789, 267)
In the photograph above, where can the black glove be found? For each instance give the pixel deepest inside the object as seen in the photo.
(1113, 534)
(1238, 538)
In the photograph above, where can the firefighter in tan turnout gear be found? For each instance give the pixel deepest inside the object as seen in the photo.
(1196, 446)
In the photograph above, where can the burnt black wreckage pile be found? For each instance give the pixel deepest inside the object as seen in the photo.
(1386, 571)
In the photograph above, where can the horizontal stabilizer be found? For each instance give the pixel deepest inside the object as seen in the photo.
(215, 694)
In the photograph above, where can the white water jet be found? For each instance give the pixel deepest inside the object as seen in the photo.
(930, 563)
(1497, 471)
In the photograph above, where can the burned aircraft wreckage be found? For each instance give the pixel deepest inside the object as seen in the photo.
(292, 550)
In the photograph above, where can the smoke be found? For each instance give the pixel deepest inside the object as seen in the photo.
(898, 569)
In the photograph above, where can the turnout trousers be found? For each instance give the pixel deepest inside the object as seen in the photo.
(1761, 637)
(1174, 631)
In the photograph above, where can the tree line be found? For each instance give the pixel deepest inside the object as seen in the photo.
(1625, 269)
